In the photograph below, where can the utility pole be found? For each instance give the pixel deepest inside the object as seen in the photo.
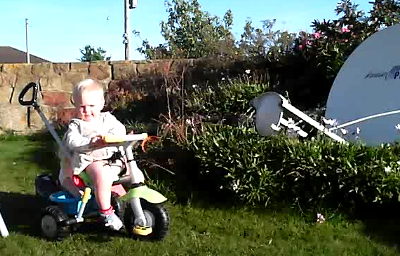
(126, 30)
(128, 4)
(28, 57)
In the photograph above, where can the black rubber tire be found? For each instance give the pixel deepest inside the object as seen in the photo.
(52, 223)
(156, 215)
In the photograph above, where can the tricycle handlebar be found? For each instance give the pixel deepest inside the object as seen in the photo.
(124, 138)
(114, 140)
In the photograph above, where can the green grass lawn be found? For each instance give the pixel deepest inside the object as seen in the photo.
(194, 230)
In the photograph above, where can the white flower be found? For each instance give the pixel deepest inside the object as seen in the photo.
(344, 131)
(320, 218)
(388, 169)
(247, 71)
(235, 185)
(358, 130)
(397, 127)
(223, 79)
(383, 145)
(194, 86)
(330, 122)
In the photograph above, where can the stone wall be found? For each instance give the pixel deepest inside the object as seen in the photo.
(57, 81)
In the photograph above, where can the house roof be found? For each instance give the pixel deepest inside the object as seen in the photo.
(11, 55)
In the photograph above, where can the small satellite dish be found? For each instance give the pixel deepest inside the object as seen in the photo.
(369, 84)
(268, 112)
(269, 116)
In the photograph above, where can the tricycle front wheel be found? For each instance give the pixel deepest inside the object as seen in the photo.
(156, 216)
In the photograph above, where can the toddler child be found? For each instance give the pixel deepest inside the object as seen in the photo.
(89, 127)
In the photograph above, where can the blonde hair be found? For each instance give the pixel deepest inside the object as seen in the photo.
(86, 85)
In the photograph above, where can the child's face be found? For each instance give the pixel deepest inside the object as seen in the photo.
(89, 105)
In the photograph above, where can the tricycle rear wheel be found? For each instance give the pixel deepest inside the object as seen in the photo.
(52, 223)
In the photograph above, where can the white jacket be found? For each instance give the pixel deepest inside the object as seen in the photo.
(79, 134)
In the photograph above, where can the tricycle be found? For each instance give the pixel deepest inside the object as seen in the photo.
(140, 207)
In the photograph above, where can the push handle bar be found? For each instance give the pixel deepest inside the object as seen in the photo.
(33, 100)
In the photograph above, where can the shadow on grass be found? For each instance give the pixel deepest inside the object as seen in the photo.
(95, 232)
(45, 154)
(384, 230)
(21, 212)
(382, 224)
(45, 149)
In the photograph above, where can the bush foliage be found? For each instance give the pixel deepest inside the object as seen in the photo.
(262, 170)
(227, 98)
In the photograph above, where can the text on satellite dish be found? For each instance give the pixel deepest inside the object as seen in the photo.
(394, 73)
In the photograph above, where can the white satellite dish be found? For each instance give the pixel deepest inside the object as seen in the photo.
(368, 86)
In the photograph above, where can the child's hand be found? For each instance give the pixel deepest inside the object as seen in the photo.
(81, 192)
(77, 193)
(97, 141)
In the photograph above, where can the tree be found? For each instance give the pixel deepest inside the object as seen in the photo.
(89, 53)
(265, 43)
(321, 54)
(333, 41)
(191, 33)
(384, 13)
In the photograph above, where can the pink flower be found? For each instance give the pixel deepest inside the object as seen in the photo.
(345, 30)
(317, 35)
(303, 44)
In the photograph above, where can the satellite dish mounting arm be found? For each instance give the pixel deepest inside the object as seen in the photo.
(309, 120)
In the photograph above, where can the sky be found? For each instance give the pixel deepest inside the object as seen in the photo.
(58, 29)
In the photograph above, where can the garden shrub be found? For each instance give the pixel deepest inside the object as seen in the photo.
(131, 101)
(228, 98)
(278, 169)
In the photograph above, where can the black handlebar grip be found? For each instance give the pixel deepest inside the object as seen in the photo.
(24, 91)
